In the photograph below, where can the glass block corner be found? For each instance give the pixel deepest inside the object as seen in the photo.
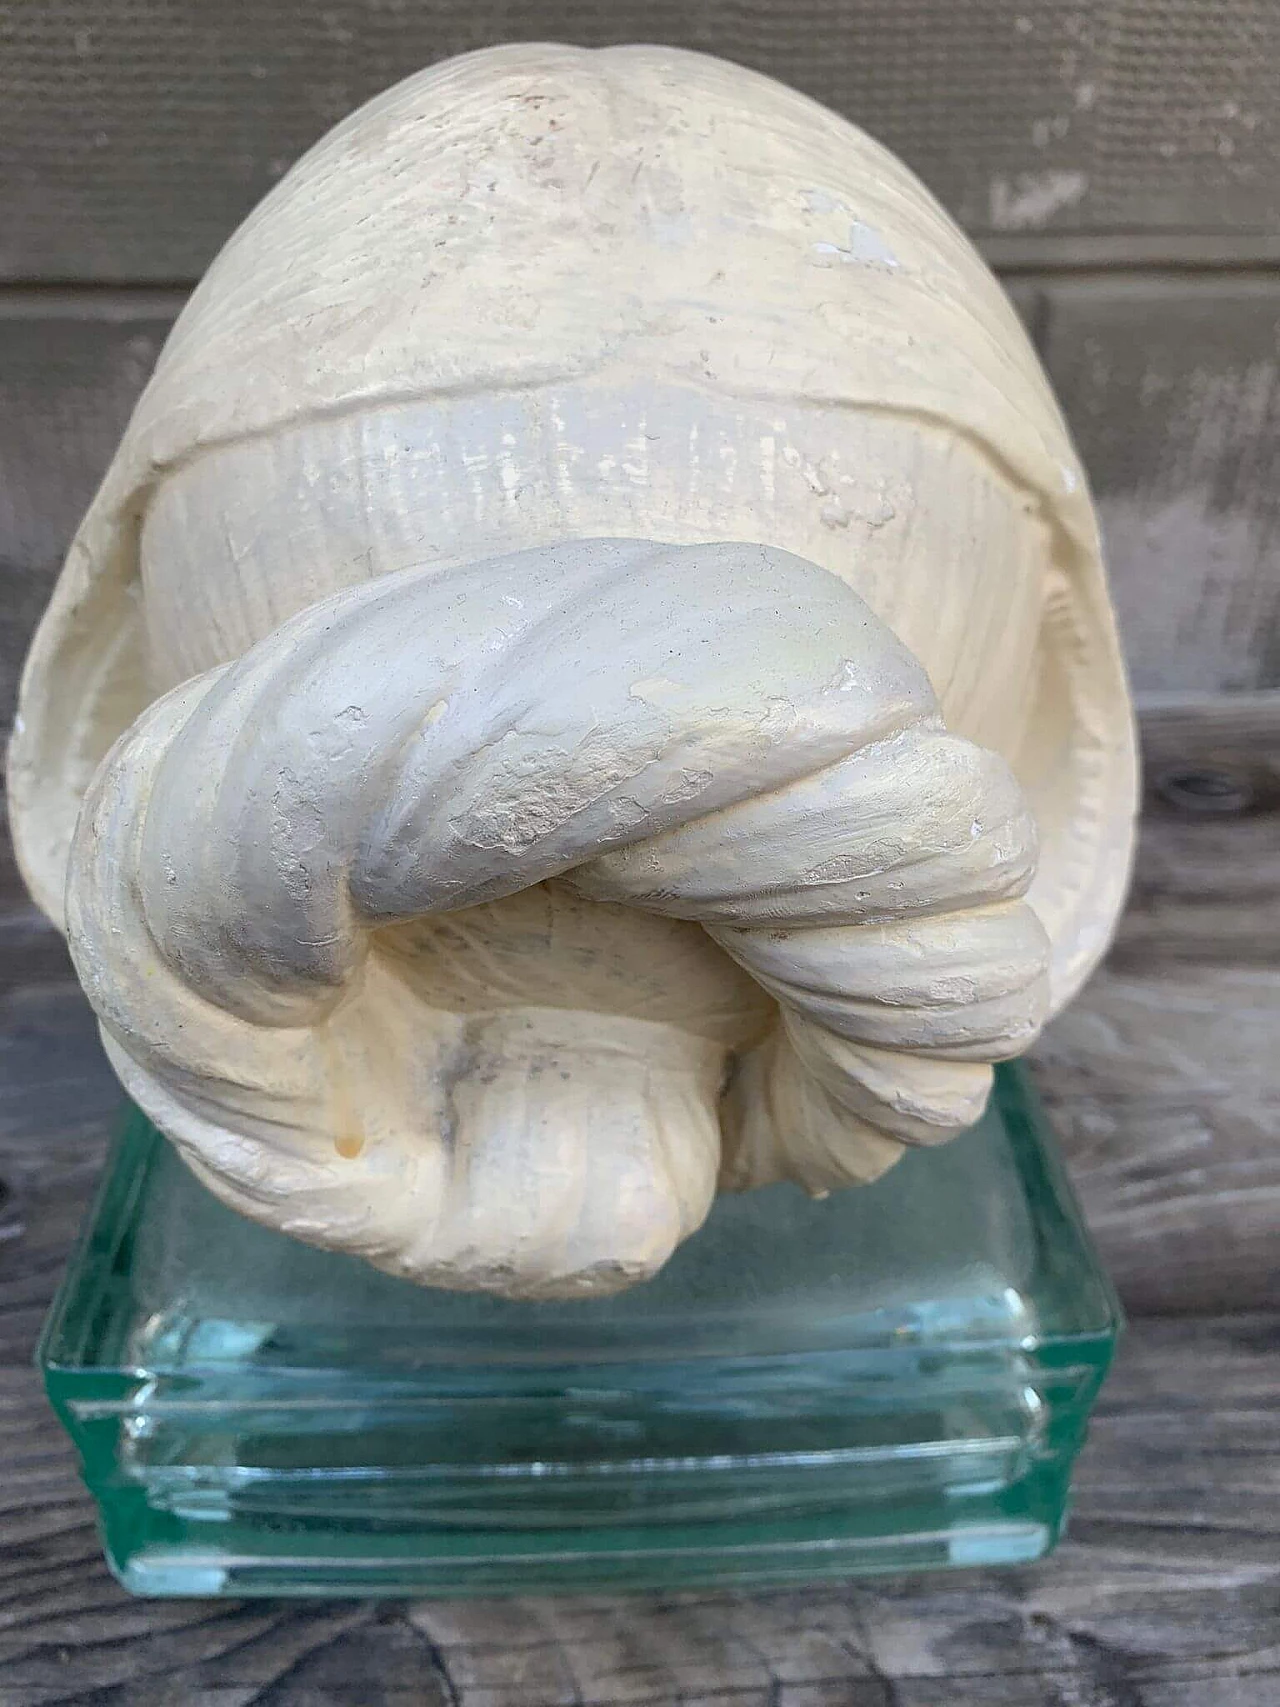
(894, 1378)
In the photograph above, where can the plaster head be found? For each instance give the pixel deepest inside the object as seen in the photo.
(589, 678)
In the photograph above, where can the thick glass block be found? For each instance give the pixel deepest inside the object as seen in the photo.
(893, 1378)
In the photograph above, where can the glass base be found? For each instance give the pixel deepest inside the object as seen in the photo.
(894, 1378)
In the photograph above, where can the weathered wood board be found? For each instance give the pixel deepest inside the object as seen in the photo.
(1172, 388)
(134, 137)
(1164, 1077)
(1167, 1593)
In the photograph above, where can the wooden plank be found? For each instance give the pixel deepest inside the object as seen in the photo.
(1163, 1078)
(1172, 389)
(58, 1103)
(1164, 1086)
(1166, 1592)
(1207, 878)
(134, 138)
(71, 368)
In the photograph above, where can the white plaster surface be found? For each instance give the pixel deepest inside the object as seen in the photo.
(611, 679)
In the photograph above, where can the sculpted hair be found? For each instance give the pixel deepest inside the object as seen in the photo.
(772, 767)
(578, 470)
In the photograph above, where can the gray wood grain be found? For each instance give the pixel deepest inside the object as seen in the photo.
(133, 138)
(1168, 1591)
(1172, 389)
(1207, 877)
(1165, 1091)
(1163, 1078)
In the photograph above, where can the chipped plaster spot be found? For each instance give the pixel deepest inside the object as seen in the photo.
(656, 690)
(864, 247)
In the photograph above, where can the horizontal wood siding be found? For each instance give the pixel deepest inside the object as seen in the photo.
(1172, 388)
(135, 136)
(1163, 1595)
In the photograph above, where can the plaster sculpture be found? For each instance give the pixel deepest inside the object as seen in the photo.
(565, 678)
